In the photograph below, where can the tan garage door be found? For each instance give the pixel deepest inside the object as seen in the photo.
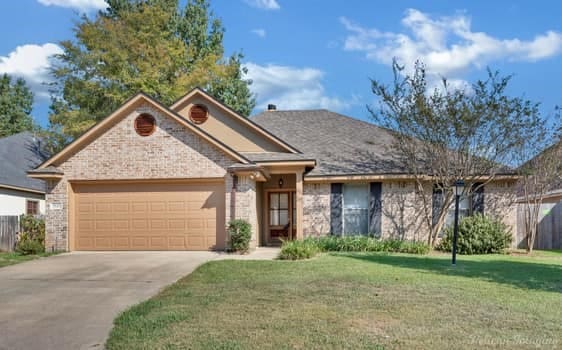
(158, 216)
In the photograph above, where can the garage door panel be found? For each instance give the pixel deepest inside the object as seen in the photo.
(148, 216)
(121, 208)
(103, 243)
(158, 242)
(121, 242)
(121, 225)
(139, 243)
(140, 224)
(177, 243)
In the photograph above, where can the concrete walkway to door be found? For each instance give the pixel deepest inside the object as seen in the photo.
(69, 301)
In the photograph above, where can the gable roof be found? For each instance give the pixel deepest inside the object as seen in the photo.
(20, 153)
(107, 122)
(246, 121)
(341, 145)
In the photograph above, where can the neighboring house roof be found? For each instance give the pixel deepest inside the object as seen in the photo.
(341, 145)
(20, 153)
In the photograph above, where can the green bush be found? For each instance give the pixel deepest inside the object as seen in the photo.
(307, 248)
(297, 250)
(29, 247)
(240, 233)
(478, 234)
(32, 236)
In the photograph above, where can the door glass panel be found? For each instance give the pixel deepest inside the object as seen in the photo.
(274, 217)
(274, 200)
(283, 217)
(283, 201)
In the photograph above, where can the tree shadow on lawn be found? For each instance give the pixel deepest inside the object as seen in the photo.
(526, 275)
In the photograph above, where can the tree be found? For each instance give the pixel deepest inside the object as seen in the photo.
(540, 174)
(142, 45)
(446, 134)
(16, 103)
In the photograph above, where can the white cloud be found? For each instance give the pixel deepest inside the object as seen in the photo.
(259, 32)
(80, 5)
(264, 4)
(448, 46)
(291, 87)
(31, 62)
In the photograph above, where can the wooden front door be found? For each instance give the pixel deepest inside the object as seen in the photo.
(281, 214)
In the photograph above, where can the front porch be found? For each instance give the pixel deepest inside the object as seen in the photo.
(280, 208)
(269, 194)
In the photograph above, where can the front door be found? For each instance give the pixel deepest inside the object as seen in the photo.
(281, 214)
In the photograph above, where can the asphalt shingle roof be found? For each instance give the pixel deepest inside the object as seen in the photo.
(18, 154)
(275, 156)
(341, 145)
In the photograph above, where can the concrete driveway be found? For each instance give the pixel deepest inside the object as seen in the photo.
(69, 301)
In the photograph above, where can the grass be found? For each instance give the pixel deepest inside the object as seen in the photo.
(7, 259)
(355, 301)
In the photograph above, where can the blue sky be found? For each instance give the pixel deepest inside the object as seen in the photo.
(321, 54)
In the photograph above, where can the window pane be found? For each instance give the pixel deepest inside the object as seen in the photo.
(274, 201)
(464, 203)
(283, 217)
(464, 211)
(355, 196)
(274, 218)
(284, 201)
(355, 221)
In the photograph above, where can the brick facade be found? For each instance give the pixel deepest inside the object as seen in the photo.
(246, 204)
(403, 210)
(172, 151)
(316, 207)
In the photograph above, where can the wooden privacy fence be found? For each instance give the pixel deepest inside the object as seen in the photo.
(549, 232)
(9, 227)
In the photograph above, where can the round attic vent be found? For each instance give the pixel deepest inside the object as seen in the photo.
(198, 114)
(145, 124)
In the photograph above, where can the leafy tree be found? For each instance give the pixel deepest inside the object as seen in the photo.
(16, 103)
(539, 175)
(446, 134)
(142, 45)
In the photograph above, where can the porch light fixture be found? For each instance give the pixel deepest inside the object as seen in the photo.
(281, 183)
(459, 187)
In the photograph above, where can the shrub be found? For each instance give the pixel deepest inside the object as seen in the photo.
(240, 233)
(297, 250)
(29, 247)
(478, 234)
(32, 236)
(304, 249)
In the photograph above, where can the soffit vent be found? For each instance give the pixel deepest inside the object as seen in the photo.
(198, 114)
(145, 124)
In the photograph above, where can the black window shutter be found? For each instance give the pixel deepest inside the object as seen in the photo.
(477, 198)
(437, 203)
(336, 209)
(375, 208)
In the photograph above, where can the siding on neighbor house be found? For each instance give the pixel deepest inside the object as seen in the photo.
(121, 154)
(13, 202)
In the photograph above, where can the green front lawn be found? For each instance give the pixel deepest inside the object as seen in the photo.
(15, 258)
(355, 301)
